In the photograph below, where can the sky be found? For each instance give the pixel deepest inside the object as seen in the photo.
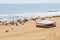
(28, 1)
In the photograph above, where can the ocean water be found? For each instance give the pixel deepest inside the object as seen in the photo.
(28, 10)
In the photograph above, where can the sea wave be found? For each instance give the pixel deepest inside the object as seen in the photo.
(27, 15)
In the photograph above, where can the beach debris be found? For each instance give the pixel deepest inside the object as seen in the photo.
(16, 24)
(0, 21)
(12, 23)
(34, 19)
(19, 20)
(6, 24)
(43, 18)
(7, 31)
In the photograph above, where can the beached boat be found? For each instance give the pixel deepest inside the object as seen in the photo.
(46, 24)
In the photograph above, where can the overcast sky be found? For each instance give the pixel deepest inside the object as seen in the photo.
(29, 1)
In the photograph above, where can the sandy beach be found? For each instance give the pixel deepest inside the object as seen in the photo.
(29, 31)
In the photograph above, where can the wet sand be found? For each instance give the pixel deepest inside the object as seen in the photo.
(29, 31)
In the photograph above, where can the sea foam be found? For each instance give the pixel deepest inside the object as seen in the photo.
(7, 17)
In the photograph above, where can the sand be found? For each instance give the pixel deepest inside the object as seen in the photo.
(29, 31)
